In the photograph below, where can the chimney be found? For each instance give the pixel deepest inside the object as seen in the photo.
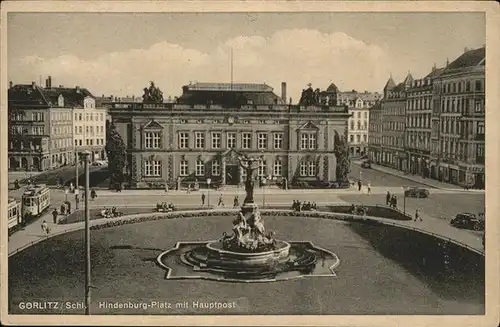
(10, 84)
(466, 49)
(33, 85)
(49, 82)
(283, 91)
(77, 88)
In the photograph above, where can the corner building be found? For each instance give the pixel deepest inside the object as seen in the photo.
(202, 134)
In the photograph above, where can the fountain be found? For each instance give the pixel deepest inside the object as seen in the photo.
(249, 254)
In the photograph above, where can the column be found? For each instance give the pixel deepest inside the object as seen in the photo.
(223, 170)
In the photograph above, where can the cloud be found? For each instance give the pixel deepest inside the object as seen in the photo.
(297, 56)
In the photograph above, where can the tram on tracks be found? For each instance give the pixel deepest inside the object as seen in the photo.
(35, 200)
(14, 215)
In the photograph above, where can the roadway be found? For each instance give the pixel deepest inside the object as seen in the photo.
(378, 178)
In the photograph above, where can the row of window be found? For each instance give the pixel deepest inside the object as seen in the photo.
(61, 143)
(358, 138)
(419, 104)
(360, 127)
(461, 127)
(308, 141)
(419, 121)
(90, 130)
(394, 111)
(394, 126)
(57, 130)
(459, 87)
(153, 168)
(38, 130)
(358, 114)
(393, 141)
(89, 116)
(455, 150)
(60, 116)
(89, 142)
(461, 105)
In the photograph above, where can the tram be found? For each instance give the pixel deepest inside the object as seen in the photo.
(15, 218)
(35, 200)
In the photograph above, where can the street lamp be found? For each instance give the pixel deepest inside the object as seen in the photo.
(66, 191)
(85, 156)
(209, 181)
(263, 182)
(404, 200)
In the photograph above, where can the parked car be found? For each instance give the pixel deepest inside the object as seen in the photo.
(416, 192)
(468, 221)
(366, 164)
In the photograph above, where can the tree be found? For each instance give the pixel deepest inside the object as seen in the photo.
(153, 94)
(341, 151)
(116, 152)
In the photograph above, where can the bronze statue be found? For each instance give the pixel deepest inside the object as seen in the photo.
(249, 165)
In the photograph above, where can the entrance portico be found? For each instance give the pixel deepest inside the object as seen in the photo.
(231, 171)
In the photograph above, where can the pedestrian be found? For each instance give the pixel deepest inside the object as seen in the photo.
(360, 185)
(77, 199)
(202, 199)
(236, 202)
(54, 215)
(416, 215)
(388, 198)
(221, 201)
(93, 194)
(45, 227)
(369, 188)
(166, 187)
(63, 209)
(395, 202)
(189, 189)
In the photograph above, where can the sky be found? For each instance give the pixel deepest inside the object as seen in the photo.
(119, 53)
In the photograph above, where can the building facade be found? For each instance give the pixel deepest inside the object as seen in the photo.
(375, 133)
(394, 153)
(359, 107)
(40, 130)
(419, 106)
(459, 93)
(193, 140)
(90, 128)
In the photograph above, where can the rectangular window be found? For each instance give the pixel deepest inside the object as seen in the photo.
(312, 141)
(152, 140)
(152, 168)
(312, 168)
(480, 128)
(183, 168)
(216, 140)
(231, 140)
(183, 140)
(215, 168)
(278, 141)
(478, 86)
(364, 138)
(303, 168)
(262, 141)
(76, 142)
(262, 168)
(358, 138)
(200, 168)
(303, 141)
(478, 106)
(80, 142)
(277, 168)
(247, 140)
(199, 140)
(351, 138)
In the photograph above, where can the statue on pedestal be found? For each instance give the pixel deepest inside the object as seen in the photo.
(249, 165)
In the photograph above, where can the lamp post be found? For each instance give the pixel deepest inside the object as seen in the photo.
(66, 191)
(209, 181)
(263, 191)
(85, 156)
(404, 200)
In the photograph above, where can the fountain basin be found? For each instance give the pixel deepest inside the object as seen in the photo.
(216, 254)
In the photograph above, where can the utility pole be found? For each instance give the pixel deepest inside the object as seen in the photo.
(85, 156)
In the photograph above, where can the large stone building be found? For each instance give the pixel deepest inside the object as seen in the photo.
(359, 107)
(394, 123)
(375, 133)
(418, 124)
(202, 134)
(40, 129)
(459, 93)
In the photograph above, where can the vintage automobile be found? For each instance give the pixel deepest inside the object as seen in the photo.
(416, 192)
(468, 221)
(366, 164)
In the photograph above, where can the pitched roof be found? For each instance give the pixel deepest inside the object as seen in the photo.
(235, 98)
(470, 58)
(24, 94)
(435, 73)
(73, 97)
(390, 84)
(332, 88)
(365, 96)
(235, 87)
(408, 79)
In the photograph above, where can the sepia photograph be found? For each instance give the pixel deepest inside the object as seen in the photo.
(216, 163)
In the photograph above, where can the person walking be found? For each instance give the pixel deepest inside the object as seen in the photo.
(77, 199)
(221, 201)
(369, 188)
(45, 227)
(360, 185)
(202, 199)
(395, 202)
(417, 216)
(236, 202)
(388, 198)
(54, 216)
